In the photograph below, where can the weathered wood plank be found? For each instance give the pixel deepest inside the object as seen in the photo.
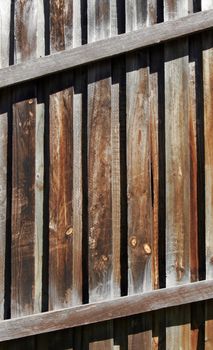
(62, 252)
(107, 48)
(208, 127)
(103, 170)
(27, 180)
(4, 62)
(177, 175)
(105, 310)
(140, 231)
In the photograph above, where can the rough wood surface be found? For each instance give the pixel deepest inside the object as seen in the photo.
(138, 168)
(27, 171)
(4, 62)
(105, 310)
(177, 174)
(103, 169)
(208, 127)
(65, 207)
(85, 54)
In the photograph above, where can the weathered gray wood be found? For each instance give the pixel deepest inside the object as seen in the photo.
(105, 310)
(102, 49)
(177, 175)
(4, 62)
(138, 171)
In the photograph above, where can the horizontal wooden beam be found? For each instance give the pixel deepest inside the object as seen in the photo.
(107, 48)
(106, 310)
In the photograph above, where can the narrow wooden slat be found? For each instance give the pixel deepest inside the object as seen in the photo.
(177, 175)
(208, 127)
(105, 310)
(194, 263)
(27, 184)
(4, 62)
(138, 170)
(77, 161)
(62, 251)
(107, 48)
(103, 170)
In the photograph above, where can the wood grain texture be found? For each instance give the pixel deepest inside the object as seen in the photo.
(4, 62)
(105, 310)
(65, 202)
(27, 180)
(103, 151)
(208, 127)
(177, 174)
(106, 48)
(140, 229)
(103, 170)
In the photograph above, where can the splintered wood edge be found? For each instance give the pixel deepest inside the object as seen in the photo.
(107, 48)
(107, 310)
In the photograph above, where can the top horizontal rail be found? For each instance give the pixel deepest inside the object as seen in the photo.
(103, 49)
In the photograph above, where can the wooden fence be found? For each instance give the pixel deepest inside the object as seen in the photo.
(106, 174)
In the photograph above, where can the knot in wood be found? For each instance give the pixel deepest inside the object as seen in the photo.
(147, 248)
(69, 231)
(105, 258)
(133, 241)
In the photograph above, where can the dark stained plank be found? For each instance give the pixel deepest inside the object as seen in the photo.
(105, 310)
(177, 175)
(107, 48)
(60, 200)
(27, 182)
(4, 62)
(65, 201)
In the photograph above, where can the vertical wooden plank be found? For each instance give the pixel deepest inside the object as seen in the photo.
(61, 168)
(65, 202)
(27, 196)
(4, 62)
(208, 127)
(78, 12)
(156, 113)
(194, 263)
(177, 176)
(140, 226)
(103, 168)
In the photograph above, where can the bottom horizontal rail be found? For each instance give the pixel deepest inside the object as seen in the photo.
(106, 310)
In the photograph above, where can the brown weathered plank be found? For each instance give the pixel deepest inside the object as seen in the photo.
(4, 62)
(27, 182)
(107, 48)
(177, 175)
(138, 170)
(103, 170)
(105, 310)
(208, 127)
(65, 199)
